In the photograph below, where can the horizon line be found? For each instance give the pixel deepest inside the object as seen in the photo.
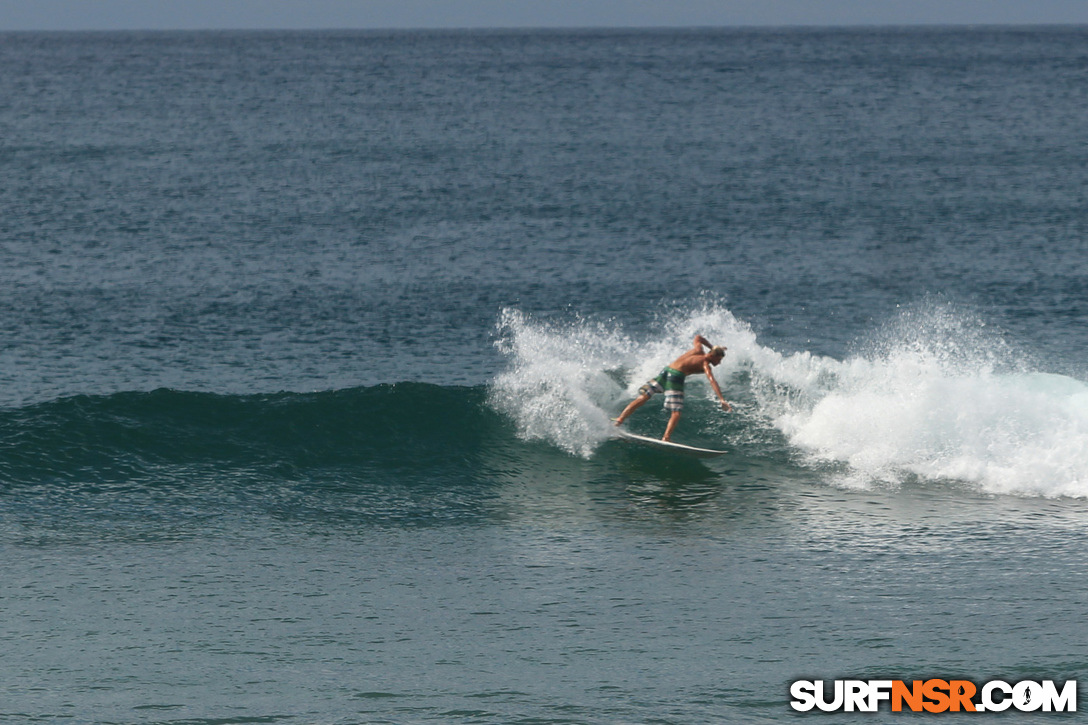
(562, 28)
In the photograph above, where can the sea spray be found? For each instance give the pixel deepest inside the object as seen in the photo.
(557, 386)
(936, 394)
(565, 379)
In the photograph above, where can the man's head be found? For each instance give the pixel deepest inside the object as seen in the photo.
(716, 354)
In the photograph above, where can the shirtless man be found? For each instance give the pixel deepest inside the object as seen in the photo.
(671, 382)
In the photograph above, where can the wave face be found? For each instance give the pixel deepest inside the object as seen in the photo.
(383, 432)
(935, 395)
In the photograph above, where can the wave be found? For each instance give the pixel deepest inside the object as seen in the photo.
(934, 395)
(389, 431)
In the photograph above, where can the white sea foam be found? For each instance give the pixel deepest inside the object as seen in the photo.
(565, 379)
(939, 398)
(935, 396)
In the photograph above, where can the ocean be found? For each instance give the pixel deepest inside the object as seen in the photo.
(310, 343)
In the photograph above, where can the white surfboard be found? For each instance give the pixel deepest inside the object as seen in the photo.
(669, 445)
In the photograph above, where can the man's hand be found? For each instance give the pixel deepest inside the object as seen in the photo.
(726, 406)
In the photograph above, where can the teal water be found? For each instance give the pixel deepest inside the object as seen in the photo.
(310, 343)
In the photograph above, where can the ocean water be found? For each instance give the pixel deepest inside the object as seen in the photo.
(310, 342)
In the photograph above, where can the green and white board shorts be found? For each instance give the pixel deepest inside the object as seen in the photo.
(671, 383)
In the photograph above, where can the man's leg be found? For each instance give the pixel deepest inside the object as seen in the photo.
(631, 408)
(673, 420)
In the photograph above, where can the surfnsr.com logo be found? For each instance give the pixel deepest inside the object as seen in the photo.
(934, 696)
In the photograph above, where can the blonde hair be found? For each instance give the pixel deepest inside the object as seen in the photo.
(717, 350)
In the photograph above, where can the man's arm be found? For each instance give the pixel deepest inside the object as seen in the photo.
(701, 342)
(714, 384)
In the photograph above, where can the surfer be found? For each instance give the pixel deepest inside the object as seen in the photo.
(671, 382)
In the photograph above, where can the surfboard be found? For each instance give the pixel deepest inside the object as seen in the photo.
(669, 445)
